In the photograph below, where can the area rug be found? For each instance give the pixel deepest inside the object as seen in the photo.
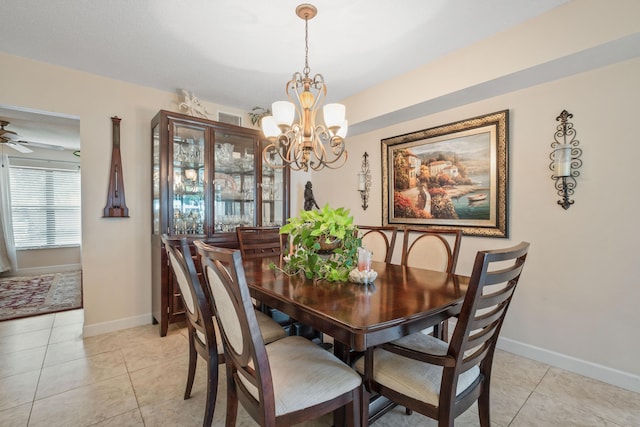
(34, 295)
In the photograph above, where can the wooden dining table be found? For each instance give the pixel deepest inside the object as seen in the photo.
(400, 301)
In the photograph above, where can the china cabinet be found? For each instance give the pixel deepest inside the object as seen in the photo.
(208, 179)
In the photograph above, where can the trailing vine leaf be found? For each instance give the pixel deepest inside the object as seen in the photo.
(327, 226)
(257, 113)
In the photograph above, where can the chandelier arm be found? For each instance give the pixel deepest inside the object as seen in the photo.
(292, 87)
(336, 143)
(330, 165)
(266, 156)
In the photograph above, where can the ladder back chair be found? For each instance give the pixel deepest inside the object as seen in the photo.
(380, 240)
(259, 242)
(267, 242)
(443, 380)
(288, 381)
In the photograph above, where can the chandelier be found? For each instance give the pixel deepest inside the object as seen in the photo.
(305, 144)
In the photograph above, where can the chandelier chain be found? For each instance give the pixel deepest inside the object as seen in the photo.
(306, 70)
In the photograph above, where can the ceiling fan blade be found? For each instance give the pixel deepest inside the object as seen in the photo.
(9, 135)
(42, 145)
(19, 147)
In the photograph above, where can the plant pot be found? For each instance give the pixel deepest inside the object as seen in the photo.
(328, 247)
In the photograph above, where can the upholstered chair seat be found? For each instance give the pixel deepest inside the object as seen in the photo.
(414, 378)
(303, 376)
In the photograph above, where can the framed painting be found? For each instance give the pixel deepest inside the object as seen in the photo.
(450, 176)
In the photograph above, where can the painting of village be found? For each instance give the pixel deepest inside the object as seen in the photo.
(443, 180)
(450, 176)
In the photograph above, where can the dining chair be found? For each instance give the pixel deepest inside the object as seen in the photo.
(267, 242)
(433, 250)
(201, 330)
(442, 380)
(259, 242)
(284, 383)
(380, 240)
(203, 336)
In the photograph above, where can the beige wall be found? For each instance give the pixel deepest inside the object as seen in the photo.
(48, 260)
(116, 260)
(576, 305)
(579, 291)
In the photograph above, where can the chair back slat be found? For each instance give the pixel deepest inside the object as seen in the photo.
(488, 317)
(495, 298)
(259, 242)
(501, 276)
(431, 249)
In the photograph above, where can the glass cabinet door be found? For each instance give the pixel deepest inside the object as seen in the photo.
(234, 181)
(273, 194)
(155, 201)
(188, 193)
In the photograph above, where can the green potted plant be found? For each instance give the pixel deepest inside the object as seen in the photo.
(324, 244)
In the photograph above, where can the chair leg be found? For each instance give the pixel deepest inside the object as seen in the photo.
(212, 390)
(364, 405)
(484, 406)
(354, 409)
(441, 331)
(193, 360)
(232, 400)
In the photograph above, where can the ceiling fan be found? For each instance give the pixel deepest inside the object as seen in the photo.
(12, 139)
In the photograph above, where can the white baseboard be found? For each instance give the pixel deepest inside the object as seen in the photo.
(608, 375)
(45, 270)
(116, 325)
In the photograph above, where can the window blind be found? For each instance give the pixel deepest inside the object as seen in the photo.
(45, 207)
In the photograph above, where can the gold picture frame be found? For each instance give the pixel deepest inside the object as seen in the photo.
(449, 176)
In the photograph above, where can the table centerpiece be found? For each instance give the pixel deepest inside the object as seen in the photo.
(323, 244)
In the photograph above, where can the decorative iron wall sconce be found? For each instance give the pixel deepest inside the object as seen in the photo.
(364, 181)
(565, 159)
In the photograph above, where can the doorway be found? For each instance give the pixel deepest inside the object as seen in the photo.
(40, 153)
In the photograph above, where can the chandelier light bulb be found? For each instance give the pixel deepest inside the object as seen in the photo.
(333, 115)
(342, 132)
(269, 127)
(283, 113)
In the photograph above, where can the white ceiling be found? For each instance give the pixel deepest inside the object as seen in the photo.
(241, 53)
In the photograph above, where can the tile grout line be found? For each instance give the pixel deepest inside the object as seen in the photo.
(35, 391)
(529, 396)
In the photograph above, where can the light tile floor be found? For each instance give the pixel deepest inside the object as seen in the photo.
(51, 376)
